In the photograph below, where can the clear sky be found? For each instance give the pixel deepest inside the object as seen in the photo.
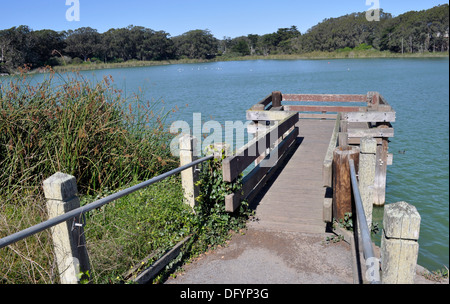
(230, 18)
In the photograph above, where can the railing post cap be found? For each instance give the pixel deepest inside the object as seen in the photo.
(60, 186)
(188, 142)
(368, 145)
(401, 221)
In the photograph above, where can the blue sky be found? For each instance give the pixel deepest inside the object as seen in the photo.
(223, 18)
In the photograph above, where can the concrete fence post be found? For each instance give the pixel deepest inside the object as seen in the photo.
(399, 243)
(68, 238)
(189, 177)
(367, 165)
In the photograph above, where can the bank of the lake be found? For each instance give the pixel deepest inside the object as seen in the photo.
(351, 54)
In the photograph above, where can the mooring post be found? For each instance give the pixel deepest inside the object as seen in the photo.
(342, 185)
(367, 165)
(189, 177)
(68, 238)
(399, 243)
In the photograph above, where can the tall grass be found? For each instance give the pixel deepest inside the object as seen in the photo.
(66, 123)
(91, 131)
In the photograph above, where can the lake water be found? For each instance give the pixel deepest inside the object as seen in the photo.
(418, 89)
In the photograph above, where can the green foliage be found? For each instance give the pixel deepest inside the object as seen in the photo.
(86, 130)
(346, 222)
(437, 275)
(199, 44)
(123, 233)
(333, 239)
(213, 222)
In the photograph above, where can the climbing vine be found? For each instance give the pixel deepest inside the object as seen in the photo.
(214, 223)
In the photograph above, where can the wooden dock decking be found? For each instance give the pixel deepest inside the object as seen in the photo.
(293, 201)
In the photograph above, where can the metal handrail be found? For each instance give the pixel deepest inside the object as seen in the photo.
(94, 205)
(364, 228)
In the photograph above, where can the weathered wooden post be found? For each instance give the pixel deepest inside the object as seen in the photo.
(68, 238)
(381, 171)
(367, 165)
(343, 133)
(342, 185)
(276, 99)
(399, 243)
(189, 177)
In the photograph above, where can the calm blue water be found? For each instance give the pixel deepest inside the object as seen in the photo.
(418, 89)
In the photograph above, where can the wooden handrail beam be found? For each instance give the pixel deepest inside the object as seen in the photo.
(323, 109)
(325, 97)
(234, 165)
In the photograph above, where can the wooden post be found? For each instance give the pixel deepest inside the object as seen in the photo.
(367, 164)
(343, 133)
(399, 243)
(276, 99)
(68, 238)
(381, 172)
(189, 177)
(342, 185)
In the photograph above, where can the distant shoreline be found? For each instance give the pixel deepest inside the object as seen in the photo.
(317, 55)
(306, 56)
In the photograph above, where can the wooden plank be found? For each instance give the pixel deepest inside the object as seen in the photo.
(153, 270)
(316, 116)
(294, 201)
(325, 97)
(374, 132)
(323, 109)
(267, 115)
(372, 116)
(357, 140)
(327, 170)
(234, 165)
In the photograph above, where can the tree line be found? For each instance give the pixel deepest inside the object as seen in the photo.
(423, 31)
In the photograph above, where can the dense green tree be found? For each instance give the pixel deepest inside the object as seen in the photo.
(83, 42)
(196, 44)
(47, 44)
(417, 31)
(16, 48)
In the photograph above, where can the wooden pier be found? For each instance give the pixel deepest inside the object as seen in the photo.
(294, 200)
(295, 191)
